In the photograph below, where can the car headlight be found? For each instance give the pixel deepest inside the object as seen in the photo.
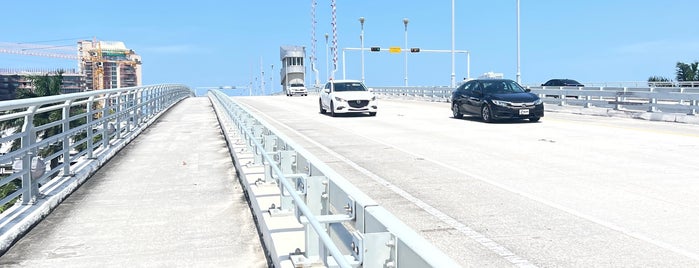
(373, 98)
(539, 101)
(500, 103)
(340, 99)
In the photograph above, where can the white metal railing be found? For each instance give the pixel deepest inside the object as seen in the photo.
(52, 134)
(649, 99)
(342, 226)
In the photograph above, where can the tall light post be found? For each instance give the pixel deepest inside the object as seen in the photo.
(271, 78)
(519, 74)
(453, 64)
(405, 22)
(327, 56)
(361, 39)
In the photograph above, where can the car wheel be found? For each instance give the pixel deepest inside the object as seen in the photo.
(456, 112)
(320, 103)
(486, 114)
(332, 109)
(534, 119)
(372, 113)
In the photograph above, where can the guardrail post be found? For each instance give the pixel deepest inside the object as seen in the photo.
(316, 200)
(619, 99)
(652, 102)
(268, 147)
(91, 130)
(66, 140)
(256, 136)
(117, 111)
(286, 161)
(693, 111)
(29, 138)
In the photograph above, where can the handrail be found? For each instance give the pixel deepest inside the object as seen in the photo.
(60, 136)
(646, 99)
(346, 223)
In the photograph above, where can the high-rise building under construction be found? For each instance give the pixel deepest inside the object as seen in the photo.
(109, 64)
(101, 65)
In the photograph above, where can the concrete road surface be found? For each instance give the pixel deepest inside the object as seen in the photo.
(169, 199)
(569, 191)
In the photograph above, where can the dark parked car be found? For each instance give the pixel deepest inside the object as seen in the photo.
(562, 83)
(494, 99)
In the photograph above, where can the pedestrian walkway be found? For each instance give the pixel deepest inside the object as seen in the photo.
(170, 198)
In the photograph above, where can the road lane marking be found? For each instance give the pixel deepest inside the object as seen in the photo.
(480, 238)
(472, 234)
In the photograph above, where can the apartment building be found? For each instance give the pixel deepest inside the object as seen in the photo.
(13, 80)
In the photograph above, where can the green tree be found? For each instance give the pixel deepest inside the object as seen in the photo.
(43, 85)
(687, 72)
(659, 81)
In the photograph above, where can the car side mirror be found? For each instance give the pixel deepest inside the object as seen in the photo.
(370, 89)
(527, 90)
(326, 90)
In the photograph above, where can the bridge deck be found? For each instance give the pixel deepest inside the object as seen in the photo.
(169, 199)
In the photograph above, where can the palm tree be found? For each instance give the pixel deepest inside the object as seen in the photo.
(687, 72)
(44, 85)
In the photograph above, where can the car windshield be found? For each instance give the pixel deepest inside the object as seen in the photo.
(501, 87)
(570, 82)
(349, 87)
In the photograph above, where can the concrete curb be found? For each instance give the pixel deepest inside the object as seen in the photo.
(649, 116)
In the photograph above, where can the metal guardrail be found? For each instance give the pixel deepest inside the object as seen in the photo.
(59, 136)
(648, 99)
(342, 226)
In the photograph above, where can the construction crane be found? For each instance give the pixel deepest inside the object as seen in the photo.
(97, 64)
(51, 51)
(91, 55)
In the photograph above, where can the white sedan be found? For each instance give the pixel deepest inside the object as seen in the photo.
(347, 96)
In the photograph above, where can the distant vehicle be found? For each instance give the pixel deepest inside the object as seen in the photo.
(494, 99)
(562, 83)
(347, 96)
(295, 89)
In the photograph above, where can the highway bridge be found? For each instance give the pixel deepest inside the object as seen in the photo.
(584, 187)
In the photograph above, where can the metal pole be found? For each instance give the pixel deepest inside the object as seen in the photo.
(271, 79)
(468, 64)
(405, 22)
(343, 63)
(262, 78)
(519, 74)
(361, 39)
(453, 64)
(327, 65)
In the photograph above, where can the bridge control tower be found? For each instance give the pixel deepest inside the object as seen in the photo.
(293, 71)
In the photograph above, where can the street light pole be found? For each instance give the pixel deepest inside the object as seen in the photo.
(453, 64)
(361, 39)
(327, 65)
(405, 22)
(271, 78)
(519, 74)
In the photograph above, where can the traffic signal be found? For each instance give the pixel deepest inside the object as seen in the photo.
(375, 49)
(415, 50)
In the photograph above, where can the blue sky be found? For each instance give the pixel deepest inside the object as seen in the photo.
(213, 43)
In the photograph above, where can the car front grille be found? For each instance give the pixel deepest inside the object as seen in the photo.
(358, 103)
(522, 104)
